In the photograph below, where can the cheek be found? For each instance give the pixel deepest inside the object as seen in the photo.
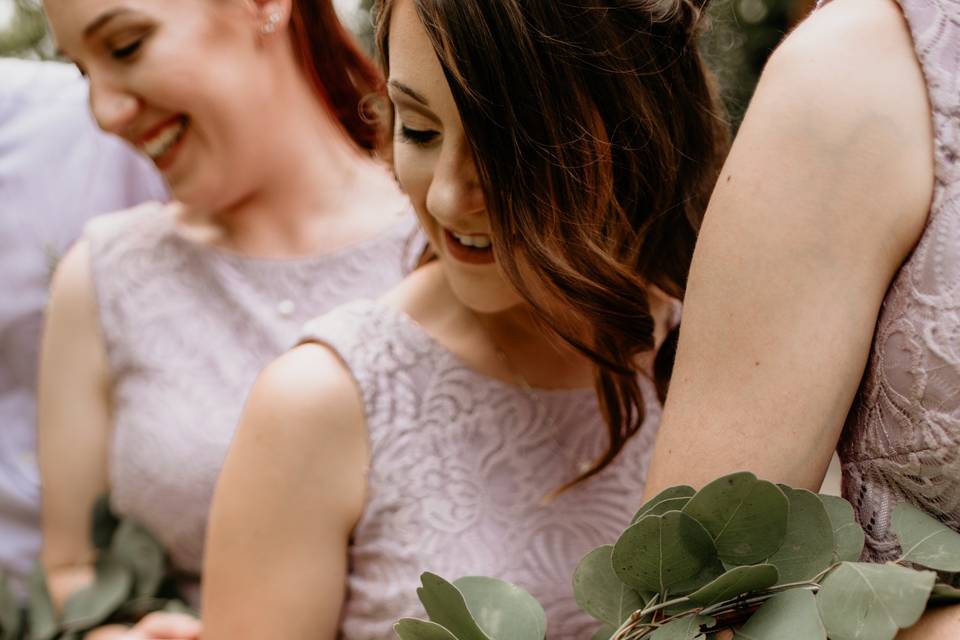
(414, 169)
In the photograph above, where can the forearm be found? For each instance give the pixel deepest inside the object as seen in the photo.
(936, 624)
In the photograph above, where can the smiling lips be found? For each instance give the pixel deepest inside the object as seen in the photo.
(470, 248)
(162, 143)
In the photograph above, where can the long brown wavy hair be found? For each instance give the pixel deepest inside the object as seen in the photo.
(597, 135)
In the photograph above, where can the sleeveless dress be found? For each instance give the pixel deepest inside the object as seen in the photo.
(902, 436)
(187, 329)
(460, 464)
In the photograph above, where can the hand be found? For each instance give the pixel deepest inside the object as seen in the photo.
(156, 626)
(111, 632)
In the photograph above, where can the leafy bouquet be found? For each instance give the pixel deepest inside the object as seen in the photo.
(132, 580)
(767, 560)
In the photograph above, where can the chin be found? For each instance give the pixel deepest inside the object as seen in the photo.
(488, 295)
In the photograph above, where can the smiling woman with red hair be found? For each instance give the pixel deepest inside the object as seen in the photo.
(256, 112)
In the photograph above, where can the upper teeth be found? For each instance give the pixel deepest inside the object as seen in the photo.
(161, 143)
(478, 241)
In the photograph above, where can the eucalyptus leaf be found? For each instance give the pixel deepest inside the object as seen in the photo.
(134, 547)
(42, 620)
(671, 553)
(91, 606)
(791, 615)
(670, 499)
(446, 606)
(414, 629)
(502, 610)
(178, 606)
(925, 540)
(861, 601)
(736, 582)
(686, 628)
(746, 517)
(943, 594)
(103, 523)
(600, 592)
(605, 632)
(848, 536)
(10, 619)
(808, 547)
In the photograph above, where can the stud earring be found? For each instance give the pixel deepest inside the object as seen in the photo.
(270, 26)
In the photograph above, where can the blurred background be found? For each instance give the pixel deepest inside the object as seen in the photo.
(740, 37)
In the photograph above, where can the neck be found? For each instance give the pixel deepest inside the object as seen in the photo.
(312, 177)
(531, 352)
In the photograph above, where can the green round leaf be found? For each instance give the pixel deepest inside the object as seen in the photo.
(808, 546)
(736, 582)
(413, 629)
(671, 499)
(746, 517)
(91, 606)
(10, 619)
(600, 592)
(502, 610)
(42, 619)
(925, 540)
(605, 632)
(134, 547)
(446, 606)
(943, 594)
(861, 601)
(686, 628)
(671, 553)
(791, 615)
(848, 537)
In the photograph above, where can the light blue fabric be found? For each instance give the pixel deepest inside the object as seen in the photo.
(56, 171)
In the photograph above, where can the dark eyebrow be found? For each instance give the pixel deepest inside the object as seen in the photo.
(100, 22)
(399, 86)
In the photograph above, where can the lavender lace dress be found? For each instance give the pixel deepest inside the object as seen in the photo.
(187, 329)
(459, 466)
(902, 437)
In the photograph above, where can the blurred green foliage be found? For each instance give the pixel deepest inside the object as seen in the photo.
(26, 34)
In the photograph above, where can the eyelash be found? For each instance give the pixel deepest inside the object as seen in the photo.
(124, 53)
(417, 136)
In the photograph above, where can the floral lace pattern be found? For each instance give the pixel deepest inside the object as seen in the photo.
(459, 468)
(187, 329)
(902, 437)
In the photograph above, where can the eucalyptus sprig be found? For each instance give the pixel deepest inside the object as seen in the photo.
(132, 580)
(768, 561)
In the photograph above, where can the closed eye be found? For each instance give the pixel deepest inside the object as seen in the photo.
(420, 137)
(127, 51)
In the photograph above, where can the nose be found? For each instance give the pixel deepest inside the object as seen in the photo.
(455, 189)
(113, 107)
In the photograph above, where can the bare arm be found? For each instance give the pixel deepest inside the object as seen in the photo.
(288, 498)
(73, 424)
(823, 196)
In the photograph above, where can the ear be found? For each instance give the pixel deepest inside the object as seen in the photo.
(273, 16)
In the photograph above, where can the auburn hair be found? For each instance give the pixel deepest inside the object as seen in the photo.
(597, 135)
(342, 76)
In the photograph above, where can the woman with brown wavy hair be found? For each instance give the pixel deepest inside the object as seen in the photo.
(161, 317)
(494, 413)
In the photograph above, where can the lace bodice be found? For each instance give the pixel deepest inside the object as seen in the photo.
(459, 466)
(187, 329)
(902, 437)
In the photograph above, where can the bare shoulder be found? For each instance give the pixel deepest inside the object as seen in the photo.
(73, 301)
(845, 102)
(309, 394)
